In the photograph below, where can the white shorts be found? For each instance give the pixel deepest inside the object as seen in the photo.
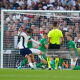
(35, 51)
(72, 62)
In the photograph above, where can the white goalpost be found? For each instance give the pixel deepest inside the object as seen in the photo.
(6, 52)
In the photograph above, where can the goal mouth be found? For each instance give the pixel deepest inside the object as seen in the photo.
(39, 20)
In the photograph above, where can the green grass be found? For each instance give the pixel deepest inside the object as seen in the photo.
(27, 74)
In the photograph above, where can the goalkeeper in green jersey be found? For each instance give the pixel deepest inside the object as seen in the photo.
(72, 50)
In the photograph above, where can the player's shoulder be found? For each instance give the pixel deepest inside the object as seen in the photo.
(24, 34)
(71, 42)
(42, 39)
(51, 31)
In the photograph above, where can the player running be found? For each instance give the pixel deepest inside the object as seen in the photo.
(30, 46)
(22, 46)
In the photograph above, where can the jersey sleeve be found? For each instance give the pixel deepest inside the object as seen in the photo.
(49, 34)
(61, 34)
(35, 42)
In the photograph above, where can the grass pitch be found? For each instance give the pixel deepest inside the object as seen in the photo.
(27, 74)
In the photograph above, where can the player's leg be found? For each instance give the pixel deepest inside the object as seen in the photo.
(49, 62)
(24, 62)
(29, 52)
(33, 59)
(40, 54)
(42, 61)
(36, 51)
(29, 61)
(56, 63)
(73, 63)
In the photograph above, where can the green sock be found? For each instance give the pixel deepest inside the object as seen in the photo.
(76, 68)
(53, 66)
(44, 56)
(23, 62)
(40, 64)
(60, 61)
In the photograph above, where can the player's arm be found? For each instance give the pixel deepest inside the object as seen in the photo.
(62, 40)
(35, 42)
(46, 46)
(48, 39)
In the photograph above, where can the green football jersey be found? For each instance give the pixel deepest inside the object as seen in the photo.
(30, 44)
(72, 44)
(43, 42)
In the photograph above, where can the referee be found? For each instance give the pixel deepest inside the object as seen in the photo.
(54, 37)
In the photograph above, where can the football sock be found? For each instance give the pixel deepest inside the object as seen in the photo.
(76, 68)
(60, 62)
(31, 65)
(56, 62)
(24, 62)
(40, 64)
(44, 56)
(48, 60)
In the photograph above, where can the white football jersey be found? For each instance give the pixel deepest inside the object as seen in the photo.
(23, 40)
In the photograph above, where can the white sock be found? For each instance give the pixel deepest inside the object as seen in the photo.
(31, 65)
(34, 64)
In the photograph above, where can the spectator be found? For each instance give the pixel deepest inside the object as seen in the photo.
(60, 6)
(65, 27)
(77, 39)
(77, 5)
(15, 5)
(11, 6)
(20, 2)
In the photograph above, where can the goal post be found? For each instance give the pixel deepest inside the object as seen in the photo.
(6, 53)
(2, 24)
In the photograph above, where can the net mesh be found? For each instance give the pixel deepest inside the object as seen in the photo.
(40, 22)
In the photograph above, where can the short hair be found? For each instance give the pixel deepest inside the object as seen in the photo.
(55, 23)
(44, 33)
(70, 35)
(29, 30)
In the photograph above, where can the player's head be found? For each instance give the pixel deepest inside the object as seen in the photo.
(69, 36)
(20, 29)
(45, 35)
(55, 24)
(29, 31)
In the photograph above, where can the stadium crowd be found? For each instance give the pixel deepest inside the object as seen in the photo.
(40, 4)
(39, 24)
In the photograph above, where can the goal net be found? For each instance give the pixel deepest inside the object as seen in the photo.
(40, 21)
